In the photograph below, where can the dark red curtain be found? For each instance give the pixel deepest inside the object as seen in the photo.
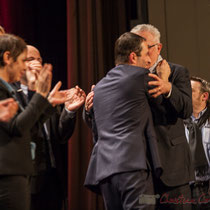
(92, 28)
(42, 24)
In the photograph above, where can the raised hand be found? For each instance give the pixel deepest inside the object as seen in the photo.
(76, 98)
(57, 96)
(34, 67)
(163, 70)
(43, 83)
(89, 100)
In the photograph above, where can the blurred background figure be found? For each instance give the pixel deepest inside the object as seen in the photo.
(197, 129)
(48, 146)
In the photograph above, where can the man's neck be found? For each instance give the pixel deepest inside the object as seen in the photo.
(4, 75)
(198, 110)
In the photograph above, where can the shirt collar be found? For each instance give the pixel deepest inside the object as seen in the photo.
(24, 88)
(152, 68)
(199, 115)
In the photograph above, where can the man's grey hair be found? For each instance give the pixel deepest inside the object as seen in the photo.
(147, 27)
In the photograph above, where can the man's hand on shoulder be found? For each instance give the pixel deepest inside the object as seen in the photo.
(89, 100)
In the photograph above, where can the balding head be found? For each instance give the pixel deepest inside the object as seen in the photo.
(34, 64)
(33, 54)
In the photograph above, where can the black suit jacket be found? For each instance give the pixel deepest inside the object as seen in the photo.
(124, 125)
(15, 154)
(173, 147)
(60, 126)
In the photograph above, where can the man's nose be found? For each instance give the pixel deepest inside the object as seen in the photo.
(149, 60)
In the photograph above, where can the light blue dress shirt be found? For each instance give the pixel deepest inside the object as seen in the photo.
(205, 131)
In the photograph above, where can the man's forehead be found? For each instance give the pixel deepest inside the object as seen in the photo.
(147, 35)
(196, 84)
(33, 52)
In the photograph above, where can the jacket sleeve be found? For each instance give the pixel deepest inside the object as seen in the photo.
(66, 125)
(61, 125)
(25, 120)
(181, 94)
(87, 117)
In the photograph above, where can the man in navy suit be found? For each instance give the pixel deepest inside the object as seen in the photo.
(125, 149)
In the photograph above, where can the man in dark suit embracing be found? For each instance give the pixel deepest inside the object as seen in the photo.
(176, 105)
(119, 166)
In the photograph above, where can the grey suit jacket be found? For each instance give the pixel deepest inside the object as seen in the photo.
(124, 126)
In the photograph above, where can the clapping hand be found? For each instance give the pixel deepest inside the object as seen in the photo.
(57, 96)
(32, 72)
(43, 83)
(76, 98)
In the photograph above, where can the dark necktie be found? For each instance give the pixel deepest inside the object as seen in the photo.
(21, 96)
(12, 92)
(195, 141)
(50, 159)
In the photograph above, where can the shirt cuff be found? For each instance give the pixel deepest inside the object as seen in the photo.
(70, 113)
(169, 94)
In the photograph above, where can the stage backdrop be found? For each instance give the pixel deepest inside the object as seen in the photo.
(41, 23)
(93, 26)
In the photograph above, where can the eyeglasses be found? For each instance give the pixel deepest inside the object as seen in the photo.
(150, 46)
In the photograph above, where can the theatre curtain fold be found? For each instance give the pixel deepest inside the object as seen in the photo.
(92, 28)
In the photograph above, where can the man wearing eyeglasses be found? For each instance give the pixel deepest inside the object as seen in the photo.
(172, 81)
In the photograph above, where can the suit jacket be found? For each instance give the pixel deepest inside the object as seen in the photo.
(15, 155)
(173, 147)
(60, 126)
(124, 126)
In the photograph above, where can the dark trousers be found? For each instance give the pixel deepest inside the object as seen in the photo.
(49, 195)
(14, 193)
(173, 198)
(128, 191)
(201, 195)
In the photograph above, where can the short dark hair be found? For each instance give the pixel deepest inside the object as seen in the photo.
(125, 44)
(205, 87)
(14, 44)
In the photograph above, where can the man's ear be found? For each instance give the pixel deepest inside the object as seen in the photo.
(6, 57)
(132, 58)
(160, 47)
(205, 96)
